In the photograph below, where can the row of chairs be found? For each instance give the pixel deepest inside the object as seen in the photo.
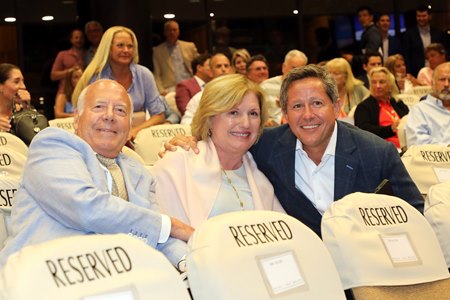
(378, 246)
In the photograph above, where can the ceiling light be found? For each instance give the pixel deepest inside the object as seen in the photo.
(211, 15)
(295, 12)
(169, 16)
(10, 19)
(47, 18)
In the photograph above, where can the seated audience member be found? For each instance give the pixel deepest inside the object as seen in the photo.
(12, 92)
(271, 86)
(370, 60)
(75, 188)
(435, 55)
(219, 65)
(186, 89)
(429, 120)
(223, 177)
(257, 69)
(239, 61)
(404, 81)
(381, 112)
(315, 159)
(63, 103)
(117, 58)
(351, 90)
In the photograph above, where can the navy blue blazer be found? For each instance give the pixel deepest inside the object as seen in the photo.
(362, 161)
(414, 50)
(394, 46)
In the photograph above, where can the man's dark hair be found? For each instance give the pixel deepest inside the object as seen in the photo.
(199, 60)
(365, 7)
(369, 54)
(257, 57)
(423, 7)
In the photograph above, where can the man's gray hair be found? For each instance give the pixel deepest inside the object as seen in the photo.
(309, 71)
(296, 53)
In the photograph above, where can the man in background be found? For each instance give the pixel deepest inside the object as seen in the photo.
(172, 59)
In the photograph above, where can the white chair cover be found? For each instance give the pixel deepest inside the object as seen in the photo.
(171, 102)
(150, 141)
(131, 153)
(381, 240)
(427, 165)
(13, 155)
(8, 188)
(437, 212)
(421, 90)
(91, 267)
(63, 123)
(259, 255)
(401, 132)
(409, 99)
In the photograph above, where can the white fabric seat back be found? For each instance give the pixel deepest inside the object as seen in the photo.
(149, 141)
(13, 155)
(437, 212)
(131, 153)
(171, 102)
(401, 132)
(259, 255)
(8, 188)
(421, 90)
(63, 123)
(381, 240)
(427, 165)
(409, 99)
(91, 267)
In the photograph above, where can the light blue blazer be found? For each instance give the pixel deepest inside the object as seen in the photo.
(64, 192)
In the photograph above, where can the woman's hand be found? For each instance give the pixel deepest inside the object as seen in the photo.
(394, 125)
(23, 97)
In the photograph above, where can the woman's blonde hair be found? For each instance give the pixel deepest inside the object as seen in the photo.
(391, 60)
(239, 53)
(221, 95)
(391, 79)
(68, 86)
(101, 58)
(342, 65)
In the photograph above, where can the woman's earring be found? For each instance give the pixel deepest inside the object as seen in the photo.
(209, 132)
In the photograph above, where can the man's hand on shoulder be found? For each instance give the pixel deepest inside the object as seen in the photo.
(185, 142)
(180, 230)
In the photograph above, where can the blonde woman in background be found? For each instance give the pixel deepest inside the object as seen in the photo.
(396, 65)
(223, 177)
(351, 90)
(63, 103)
(239, 61)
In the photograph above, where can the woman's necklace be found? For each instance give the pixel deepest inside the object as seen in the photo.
(234, 188)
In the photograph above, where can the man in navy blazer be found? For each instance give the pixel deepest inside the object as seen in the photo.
(66, 191)
(413, 45)
(391, 44)
(315, 159)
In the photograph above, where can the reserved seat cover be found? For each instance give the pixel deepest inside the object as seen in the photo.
(91, 267)
(437, 212)
(427, 165)
(259, 255)
(381, 240)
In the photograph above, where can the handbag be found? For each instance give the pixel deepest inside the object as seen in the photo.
(27, 122)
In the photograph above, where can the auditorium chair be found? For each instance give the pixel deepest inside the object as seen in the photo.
(437, 212)
(133, 154)
(149, 141)
(259, 255)
(63, 123)
(427, 165)
(91, 267)
(171, 102)
(384, 248)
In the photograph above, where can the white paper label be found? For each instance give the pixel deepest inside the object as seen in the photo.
(399, 248)
(282, 272)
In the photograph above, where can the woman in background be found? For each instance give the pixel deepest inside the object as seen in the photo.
(381, 112)
(351, 90)
(63, 103)
(223, 177)
(117, 58)
(396, 65)
(239, 61)
(12, 92)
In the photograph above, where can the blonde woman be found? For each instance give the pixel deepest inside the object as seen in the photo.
(63, 103)
(239, 61)
(223, 177)
(117, 58)
(381, 112)
(396, 65)
(351, 90)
